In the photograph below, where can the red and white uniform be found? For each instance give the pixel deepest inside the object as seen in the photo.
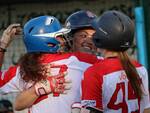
(77, 63)
(106, 87)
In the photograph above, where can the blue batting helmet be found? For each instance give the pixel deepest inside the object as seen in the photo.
(40, 34)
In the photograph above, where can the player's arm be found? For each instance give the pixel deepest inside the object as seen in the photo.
(90, 102)
(25, 99)
(91, 91)
(6, 38)
(53, 84)
(7, 75)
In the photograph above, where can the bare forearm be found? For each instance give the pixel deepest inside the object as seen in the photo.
(25, 99)
(44, 87)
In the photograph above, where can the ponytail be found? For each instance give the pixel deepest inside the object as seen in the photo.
(131, 73)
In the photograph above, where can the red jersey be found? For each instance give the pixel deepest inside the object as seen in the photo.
(106, 87)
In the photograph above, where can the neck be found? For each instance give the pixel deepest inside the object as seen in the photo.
(109, 54)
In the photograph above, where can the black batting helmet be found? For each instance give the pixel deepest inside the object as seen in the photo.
(114, 31)
(79, 19)
(5, 106)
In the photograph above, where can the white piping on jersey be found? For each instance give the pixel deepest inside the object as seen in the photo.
(3, 75)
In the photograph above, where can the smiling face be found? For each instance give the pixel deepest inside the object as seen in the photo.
(82, 40)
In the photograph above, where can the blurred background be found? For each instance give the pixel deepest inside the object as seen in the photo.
(19, 11)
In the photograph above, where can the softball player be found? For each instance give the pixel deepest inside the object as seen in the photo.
(116, 84)
(42, 37)
(81, 32)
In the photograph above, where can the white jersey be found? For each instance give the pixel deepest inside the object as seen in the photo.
(77, 63)
(106, 87)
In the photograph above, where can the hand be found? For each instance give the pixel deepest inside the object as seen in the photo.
(53, 84)
(62, 84)
(8, 35)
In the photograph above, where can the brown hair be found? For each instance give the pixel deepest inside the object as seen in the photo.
(30, 67)
(131, 73)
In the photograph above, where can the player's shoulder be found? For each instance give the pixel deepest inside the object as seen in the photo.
(109, 65)
(10, 70)
(86, 57)
(7, 75)
(105, 66)
(46, 58)
(136, 63)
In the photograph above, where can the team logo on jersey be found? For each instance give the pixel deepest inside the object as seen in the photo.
(91, 103)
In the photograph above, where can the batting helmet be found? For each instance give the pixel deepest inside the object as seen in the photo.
(41, 32)
(5, 106)
(80, 19)
(114, 31)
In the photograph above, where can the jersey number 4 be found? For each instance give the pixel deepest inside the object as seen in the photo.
(130, 95)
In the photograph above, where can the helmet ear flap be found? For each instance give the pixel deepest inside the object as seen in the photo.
(97, 41)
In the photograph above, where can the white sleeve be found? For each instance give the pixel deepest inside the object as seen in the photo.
(14, 85)
(146, 96)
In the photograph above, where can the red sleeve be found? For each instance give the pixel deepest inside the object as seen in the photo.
(92, 89)
(7, 75)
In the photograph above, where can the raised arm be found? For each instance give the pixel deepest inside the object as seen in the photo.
(7, 36)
